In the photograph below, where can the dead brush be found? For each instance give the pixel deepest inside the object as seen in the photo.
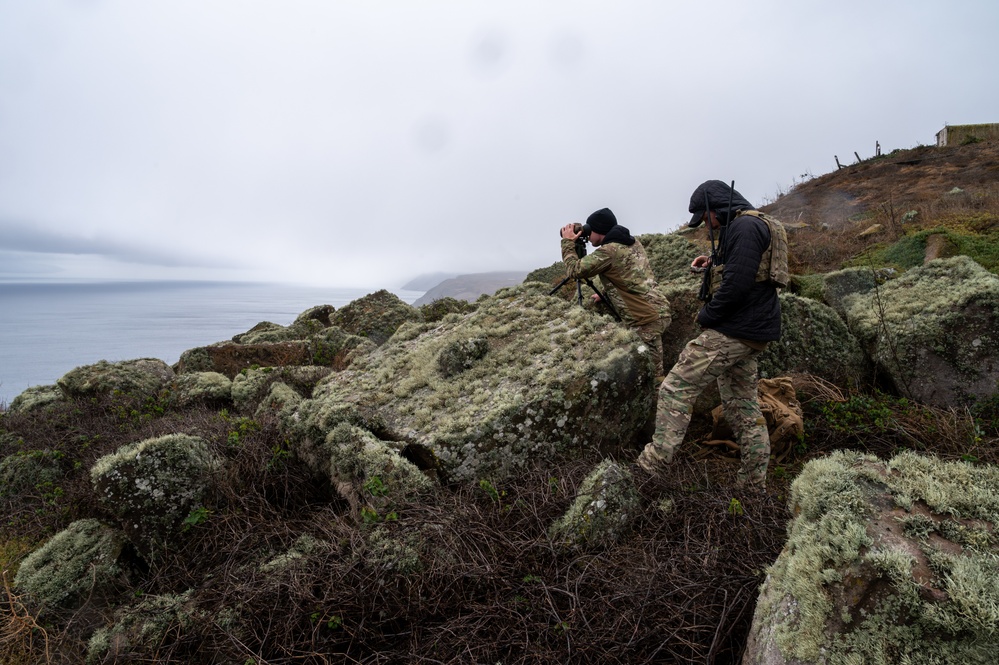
(22, 638)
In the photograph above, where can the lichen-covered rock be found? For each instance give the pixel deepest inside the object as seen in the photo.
(838, 285)
(36, 398)
(143, 377)
(26, 471)
(934, 330)
(814, 340)
(554, 377)
(144, 627)
(369, 473)
(280, 398)
(79, 560)
(375, 316)
(886, 562)
(201, 388)
(319, 313)
(670, 255)
(295, 556)
(336, 348)
(231, 358)
(604, 509)
(152, 485)
(438, 309)
(250, 386)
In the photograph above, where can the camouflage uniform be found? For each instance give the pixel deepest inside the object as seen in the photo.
(629, 285)
(739, 317)
(712, 357)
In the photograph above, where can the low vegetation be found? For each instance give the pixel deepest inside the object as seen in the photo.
(280, 564)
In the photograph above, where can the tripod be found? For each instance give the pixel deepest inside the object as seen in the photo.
(581, 252)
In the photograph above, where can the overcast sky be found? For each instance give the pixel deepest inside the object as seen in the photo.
(362, 143)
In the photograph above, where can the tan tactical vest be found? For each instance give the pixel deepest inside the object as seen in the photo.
(773, 264)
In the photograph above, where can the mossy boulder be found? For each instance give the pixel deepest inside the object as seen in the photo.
(886, 562)
(604, 509)
(144, 627)
(838, 285)
(376, 316)
(143, 377)
(280, 398)
(371, 474)
(934, 331)
(438, 309)
(36, 398)
(250, 386)
(29, 471)
(548, 376)
(670, 255)
(211, 388)
(151, 486)
(814, 340)
(336, 348)
(82, 559)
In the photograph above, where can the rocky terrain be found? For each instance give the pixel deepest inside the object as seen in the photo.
(450, 482)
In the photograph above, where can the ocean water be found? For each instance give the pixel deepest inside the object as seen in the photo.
(47, 330)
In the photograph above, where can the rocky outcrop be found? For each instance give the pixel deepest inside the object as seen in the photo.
(477, 396)
(934, 331)
(209, 388)
(376, 316)
(886, 562)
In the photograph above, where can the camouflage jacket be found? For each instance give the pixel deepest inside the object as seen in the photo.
(626, 277)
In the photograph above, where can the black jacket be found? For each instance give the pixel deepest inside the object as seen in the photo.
(742, 307)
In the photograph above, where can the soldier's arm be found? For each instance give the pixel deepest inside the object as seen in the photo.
(592, 264)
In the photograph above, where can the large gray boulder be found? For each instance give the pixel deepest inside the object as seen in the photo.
(151, 486)
(480, 395)
(934, 331)
(885, 562)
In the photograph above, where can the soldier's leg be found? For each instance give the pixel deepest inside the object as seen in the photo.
(702, 361)
(740, 400)
(652, 335)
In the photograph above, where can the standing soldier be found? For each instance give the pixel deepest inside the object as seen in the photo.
(625, 274)
(741, 314)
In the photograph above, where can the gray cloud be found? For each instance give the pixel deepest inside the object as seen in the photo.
(352, 144)
(21, 237)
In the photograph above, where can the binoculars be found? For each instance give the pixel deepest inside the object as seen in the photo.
(585, 228)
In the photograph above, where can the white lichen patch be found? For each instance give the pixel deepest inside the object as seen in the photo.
(79, 558)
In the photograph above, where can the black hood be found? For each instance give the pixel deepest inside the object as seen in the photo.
(718, 196)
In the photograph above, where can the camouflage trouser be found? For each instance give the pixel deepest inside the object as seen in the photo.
(652, 335)
(712, 357)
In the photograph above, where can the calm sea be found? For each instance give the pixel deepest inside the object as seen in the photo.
(48, 329)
